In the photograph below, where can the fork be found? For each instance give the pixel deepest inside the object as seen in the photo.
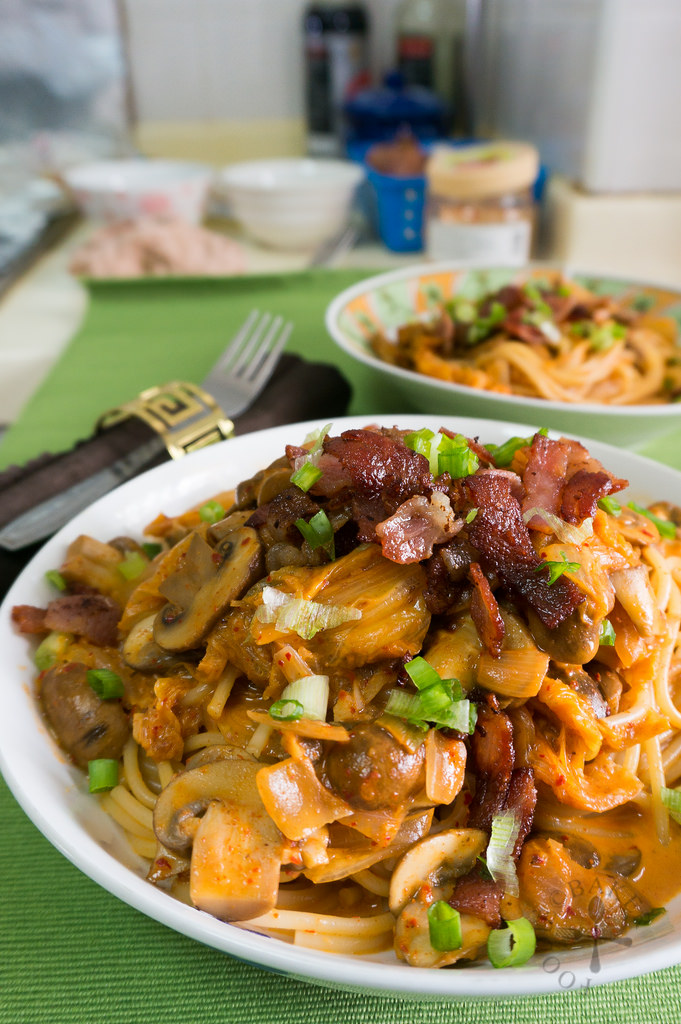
(246, 365)
(234, 382)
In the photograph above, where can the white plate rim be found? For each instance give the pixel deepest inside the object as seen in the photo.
(188, 481)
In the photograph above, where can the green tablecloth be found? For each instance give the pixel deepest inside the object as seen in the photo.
(69, 952)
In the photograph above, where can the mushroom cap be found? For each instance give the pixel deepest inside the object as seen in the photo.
(187, 796)
(210, 579)
(235, 863)
(438, 857)
(236, 849)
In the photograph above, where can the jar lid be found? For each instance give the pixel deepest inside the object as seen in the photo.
(479, 171)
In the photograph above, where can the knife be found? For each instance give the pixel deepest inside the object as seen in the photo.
(39, 498)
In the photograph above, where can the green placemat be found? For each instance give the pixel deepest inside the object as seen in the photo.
(137, 334)
(69, 952)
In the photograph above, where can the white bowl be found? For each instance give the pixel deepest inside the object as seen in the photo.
(290, 203)
(385, 301)
(54, 794)
(114, 190)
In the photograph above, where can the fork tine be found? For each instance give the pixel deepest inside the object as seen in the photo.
(264, 347)
(246, 354)
(232, 351)
(271, 360)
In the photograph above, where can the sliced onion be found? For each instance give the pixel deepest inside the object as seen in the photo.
(565, 532)
(499, 856)
(306, 618)
(312, 692)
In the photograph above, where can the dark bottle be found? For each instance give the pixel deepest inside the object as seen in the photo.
(336, 67)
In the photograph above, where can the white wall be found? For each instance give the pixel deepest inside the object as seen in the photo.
(228, 59)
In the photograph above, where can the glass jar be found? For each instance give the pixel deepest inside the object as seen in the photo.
(480, 207)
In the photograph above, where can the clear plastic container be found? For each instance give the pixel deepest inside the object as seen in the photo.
(481, 207)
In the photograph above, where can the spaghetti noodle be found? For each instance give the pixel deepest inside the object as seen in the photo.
(431, 681)
(549, 338)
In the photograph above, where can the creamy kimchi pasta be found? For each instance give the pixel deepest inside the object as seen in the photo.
(549, 338)
(397, 690)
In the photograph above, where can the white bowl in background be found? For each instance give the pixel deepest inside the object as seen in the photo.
(290, 203)
(385, 301)
(115, 190)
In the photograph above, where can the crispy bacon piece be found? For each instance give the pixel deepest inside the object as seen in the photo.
(29, 619)
(92, 616)
(478, 896)
(410, 534)
(517, 327)
(493, 757)
(583, 491)
(485, 611)
(503, 540)
(544, 477)
(563, 478)
(522, 800)
(379, 466)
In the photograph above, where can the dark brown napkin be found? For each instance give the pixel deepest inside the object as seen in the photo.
(297, 391)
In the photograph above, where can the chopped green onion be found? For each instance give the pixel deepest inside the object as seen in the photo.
(463, 310)
(556, 569)
(308, 473)
(105, 683)
(211, 512)
(151, 550)
(419, 441)
(456, 457)
(606, 634)
(439, 702)
(535, 296)
(500, 862)
(444, 927)
(513, 945)
(287, 710)
(54, 577)
(609, 505)
(312, 693)
(642, 303)
(471, 515)
(50, 649)
(503, 453)
(604, 337)
(671, 798)
(445, 454)
(318, 533)
(665, 527)
(651, 915)
(421, 673)
(406, 705)
(306, 476)
(133, 565)
(103, 774)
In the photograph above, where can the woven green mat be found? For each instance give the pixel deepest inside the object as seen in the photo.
(70, 953)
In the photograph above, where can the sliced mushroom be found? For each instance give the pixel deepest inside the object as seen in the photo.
(635, 594)
(574, 641)
(235, 863)
(209, 581)
(141, 651)
(266, 483)
(412, 938)
(87, 727)
(435, 860)
(236, 850)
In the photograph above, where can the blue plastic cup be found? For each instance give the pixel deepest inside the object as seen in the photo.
(400, 206)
